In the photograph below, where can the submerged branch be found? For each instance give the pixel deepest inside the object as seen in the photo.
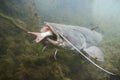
(16, 22)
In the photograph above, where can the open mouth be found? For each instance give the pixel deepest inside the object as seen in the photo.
(55, 35)
(54, 38)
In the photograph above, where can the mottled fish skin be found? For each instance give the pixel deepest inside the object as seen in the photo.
(92, 37)
(82, 38)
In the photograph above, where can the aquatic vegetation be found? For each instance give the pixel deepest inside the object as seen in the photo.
(21, 58)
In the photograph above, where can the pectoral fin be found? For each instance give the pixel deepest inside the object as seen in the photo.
(95, 53)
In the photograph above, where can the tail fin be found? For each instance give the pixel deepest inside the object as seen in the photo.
(38, 38)
(95, 53)
(41, 36)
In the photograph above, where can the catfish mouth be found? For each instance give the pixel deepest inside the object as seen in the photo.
(55, 38)
(55, 34)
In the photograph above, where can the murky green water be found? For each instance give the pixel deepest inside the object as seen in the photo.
(21, 58)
